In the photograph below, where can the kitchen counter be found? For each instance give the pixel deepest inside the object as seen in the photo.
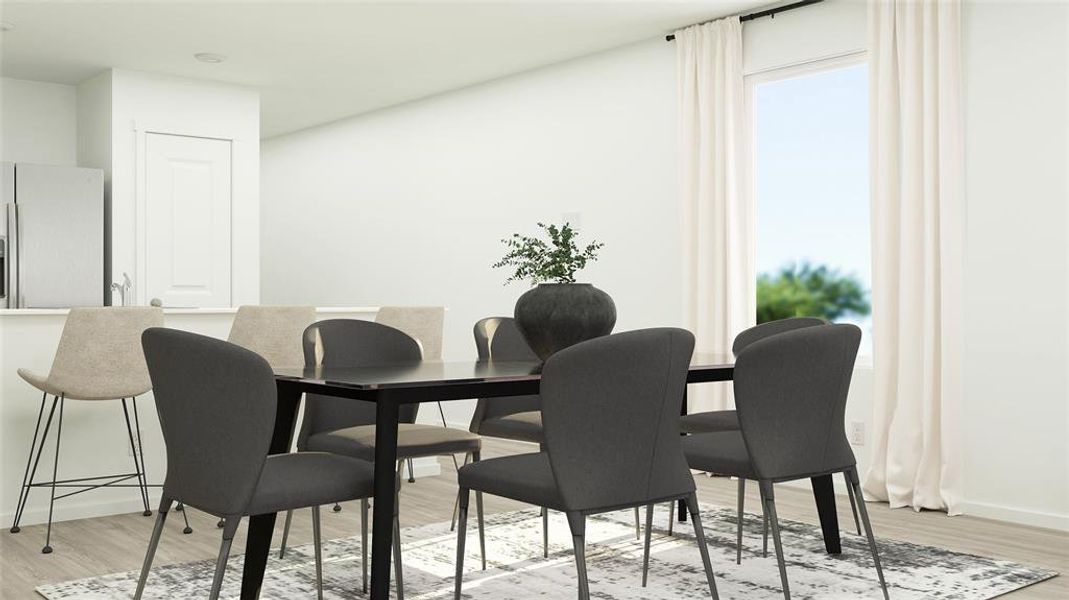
(30, 312)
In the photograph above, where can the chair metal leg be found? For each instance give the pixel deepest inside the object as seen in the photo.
(337, 507)
(738, 527)
(285, 534)
(141, 454)
(27, 475)
(318, 543)
(482, 531)
(638, 528)
(220, 523)
(230, 527)
(545, 532)
(55, 468)
(137, 465)
(853, 502)
(411, 472)
(770, 510)
(703, 548)
(577, 523)
(476, 457)
(853, 481)
(764, 518)
(397, 569)
(646, 546)
(456, 502)
(462, 499)
(153, 542)
(671, 517)
(187, 529)
(363, 541)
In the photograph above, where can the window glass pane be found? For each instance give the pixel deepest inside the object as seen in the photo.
(812, 197)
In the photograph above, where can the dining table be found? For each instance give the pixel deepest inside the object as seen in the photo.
(389, 386)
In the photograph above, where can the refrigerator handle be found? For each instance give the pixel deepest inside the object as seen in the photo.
(13, 276)
(6, 268)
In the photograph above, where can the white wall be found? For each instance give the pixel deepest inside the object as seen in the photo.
(1016, 414)
(147, 102)
(38, 122)
(408, 205)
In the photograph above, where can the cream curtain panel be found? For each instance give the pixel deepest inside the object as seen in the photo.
(918, 218)
(718, 220)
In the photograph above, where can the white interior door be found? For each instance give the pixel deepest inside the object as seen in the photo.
(187, 225)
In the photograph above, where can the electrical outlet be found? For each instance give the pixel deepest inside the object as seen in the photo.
(856, 434)
(129, 449)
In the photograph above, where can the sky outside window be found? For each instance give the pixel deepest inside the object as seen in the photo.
(811, 177)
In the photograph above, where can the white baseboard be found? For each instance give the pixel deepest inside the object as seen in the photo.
(1020, 516)
(425, 467)
(67, 510)
(70, 509)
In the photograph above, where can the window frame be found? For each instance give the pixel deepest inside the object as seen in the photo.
(780, 73)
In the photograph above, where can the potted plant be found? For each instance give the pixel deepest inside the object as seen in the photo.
(557, 312)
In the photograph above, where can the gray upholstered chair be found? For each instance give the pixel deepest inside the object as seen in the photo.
(99, 358)
(728, 420)
(424, 324)
(273, 332)
(612, 441)
(347, 427)
(517, 418)
(512, 418)
(790, 390)
(217, 404)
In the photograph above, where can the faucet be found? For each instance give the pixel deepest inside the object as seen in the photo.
(122, 288)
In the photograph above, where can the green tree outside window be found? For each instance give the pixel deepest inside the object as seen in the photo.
(805, 290)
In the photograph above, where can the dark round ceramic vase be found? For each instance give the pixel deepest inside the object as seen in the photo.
(553, 316)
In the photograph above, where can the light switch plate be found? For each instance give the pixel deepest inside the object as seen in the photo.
(856, 433)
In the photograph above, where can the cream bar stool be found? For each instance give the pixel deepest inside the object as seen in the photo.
(99, 358)
(273, 332)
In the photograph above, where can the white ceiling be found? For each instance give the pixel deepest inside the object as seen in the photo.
(315, 62)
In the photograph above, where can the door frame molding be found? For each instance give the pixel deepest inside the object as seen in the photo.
(141, 134)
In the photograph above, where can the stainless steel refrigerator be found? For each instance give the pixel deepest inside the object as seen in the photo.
(51, 236)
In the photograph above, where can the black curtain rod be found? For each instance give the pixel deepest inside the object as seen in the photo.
(771, 12)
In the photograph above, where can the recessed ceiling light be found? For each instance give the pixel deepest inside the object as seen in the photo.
(209, 57)
(5, 26)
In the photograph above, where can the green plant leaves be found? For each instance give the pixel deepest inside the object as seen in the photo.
(540, 261)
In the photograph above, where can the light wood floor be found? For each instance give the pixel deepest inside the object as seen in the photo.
(109, 544)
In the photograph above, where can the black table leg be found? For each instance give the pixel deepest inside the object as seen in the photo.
(385, 481)
(681, 506)
(261, 527)
(824, 493)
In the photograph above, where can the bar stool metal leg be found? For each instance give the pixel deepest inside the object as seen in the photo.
(141, 453)
(55, 468)
(137, 464)
(27, 477)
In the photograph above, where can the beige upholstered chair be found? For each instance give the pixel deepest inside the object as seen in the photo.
(273, 332)
(422, 323)
(99, 358)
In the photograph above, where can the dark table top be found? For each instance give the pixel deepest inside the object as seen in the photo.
(440, 376)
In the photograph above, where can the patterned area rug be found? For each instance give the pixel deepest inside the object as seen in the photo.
(516, 569)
